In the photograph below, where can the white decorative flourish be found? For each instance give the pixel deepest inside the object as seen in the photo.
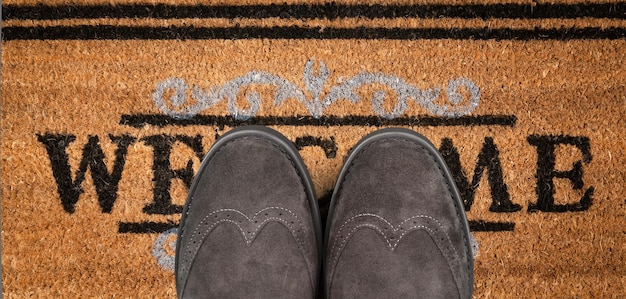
(164, 249)
(180, 108)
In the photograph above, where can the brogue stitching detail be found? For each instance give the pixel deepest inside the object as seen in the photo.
(446, 248)
(388, 223)
(188, 253)
(337, 249)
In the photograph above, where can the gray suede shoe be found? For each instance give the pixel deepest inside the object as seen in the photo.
(251, 226)
(396, 226)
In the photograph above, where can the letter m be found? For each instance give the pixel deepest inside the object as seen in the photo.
(93, 158)
(488, 161)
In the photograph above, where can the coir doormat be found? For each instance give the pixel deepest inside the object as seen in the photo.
(108, 109)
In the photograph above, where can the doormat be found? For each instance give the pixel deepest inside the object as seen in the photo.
(108, 109)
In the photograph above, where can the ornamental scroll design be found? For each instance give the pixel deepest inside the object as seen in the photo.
(312, 96)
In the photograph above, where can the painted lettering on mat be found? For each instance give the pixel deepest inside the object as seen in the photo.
(462, 95)
(70, 182)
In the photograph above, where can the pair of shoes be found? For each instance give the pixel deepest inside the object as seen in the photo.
(251, 225)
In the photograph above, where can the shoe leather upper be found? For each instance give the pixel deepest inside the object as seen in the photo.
(248, 230)
(395, 230)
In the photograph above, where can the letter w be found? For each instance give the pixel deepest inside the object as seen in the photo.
(106, 183)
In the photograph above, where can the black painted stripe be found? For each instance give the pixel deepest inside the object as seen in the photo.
(321, 11)
(107, 32)
(149, 227)
(145, 227)
(486, 226)
(160, 120)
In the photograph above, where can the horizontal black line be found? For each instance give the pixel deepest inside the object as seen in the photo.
(148, 227)
(145, 227)
(317, 11)
(160, 120)
(109, 32)
(486, 226)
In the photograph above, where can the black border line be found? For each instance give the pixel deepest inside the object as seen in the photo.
(487, 226)
(161, 120)
(318, 11)
(109, 32)
(145, 227)
(150, 227)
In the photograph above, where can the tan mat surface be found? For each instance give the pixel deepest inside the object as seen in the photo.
(108, 108)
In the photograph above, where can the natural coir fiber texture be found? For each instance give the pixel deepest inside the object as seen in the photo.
(108, 109)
